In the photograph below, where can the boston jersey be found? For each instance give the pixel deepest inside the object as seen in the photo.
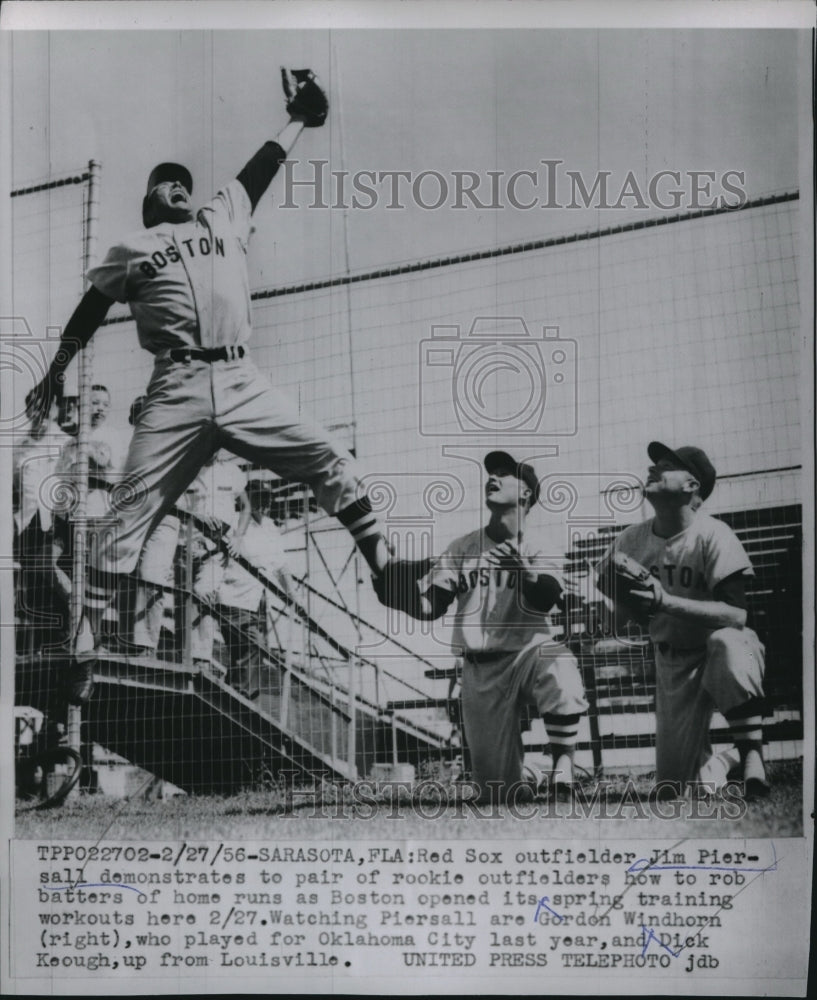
(690, 564)
(186, 284)
(490, 613)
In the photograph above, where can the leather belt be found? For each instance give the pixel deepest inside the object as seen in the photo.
(188, 354)
(486, 655)
(666, 647)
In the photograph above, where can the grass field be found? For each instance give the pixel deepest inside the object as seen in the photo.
(616, 806)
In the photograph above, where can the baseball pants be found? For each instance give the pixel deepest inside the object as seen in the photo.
(155, 572)
(690, 686)
(194, 408)
(494, 694)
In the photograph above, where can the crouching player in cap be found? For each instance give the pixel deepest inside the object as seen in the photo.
(509, 659)
(706, 658)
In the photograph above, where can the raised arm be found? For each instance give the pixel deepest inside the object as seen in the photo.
(307, 107)
(84, 322)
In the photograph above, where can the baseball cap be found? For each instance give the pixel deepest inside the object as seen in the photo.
(689, 457)
(525, 472)
(170, 172)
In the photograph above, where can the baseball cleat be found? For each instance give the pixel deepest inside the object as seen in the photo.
(664, 791)
(755, 785)
(534, 779)
(561, 780)
(79, 681)
(380, 588)
(389, 587)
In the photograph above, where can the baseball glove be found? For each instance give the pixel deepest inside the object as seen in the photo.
(628, 582)
(396, 586)
(306, 101)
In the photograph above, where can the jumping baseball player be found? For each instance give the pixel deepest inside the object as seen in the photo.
(185, 278)
(509, 658)
(706, 658)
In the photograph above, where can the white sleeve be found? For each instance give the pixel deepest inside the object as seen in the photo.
(231, 206)
(725, 556)
(111, 276)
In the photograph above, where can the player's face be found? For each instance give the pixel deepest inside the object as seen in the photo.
(667, 478)
(170, 202)
(503, 489)
(100, 403)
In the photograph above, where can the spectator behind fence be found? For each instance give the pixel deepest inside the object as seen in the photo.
(236, 600)
(42, 598)
(218, 499)
(107, 447)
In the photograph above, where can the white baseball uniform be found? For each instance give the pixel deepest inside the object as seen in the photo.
(39, 599)
(698, 670)
(509, 658)
(187, 287)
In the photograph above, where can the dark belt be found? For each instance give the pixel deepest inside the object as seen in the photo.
(486, 656)
(188, 354)
(665, 647)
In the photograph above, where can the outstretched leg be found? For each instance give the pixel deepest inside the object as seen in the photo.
(261, 424)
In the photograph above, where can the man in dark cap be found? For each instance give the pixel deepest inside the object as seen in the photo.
(706, 658)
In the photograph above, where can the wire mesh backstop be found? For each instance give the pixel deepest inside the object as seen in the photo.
(691, 321)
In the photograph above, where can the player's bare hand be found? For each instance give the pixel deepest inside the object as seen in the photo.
(214, 526)
(648, 600)
(507, 555)
(504, 555)
(233, 545)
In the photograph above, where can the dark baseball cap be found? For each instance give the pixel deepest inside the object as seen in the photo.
(692, 459)
(170, 172)
(501, 459)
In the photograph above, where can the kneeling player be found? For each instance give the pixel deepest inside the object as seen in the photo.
(509, 659)
(706, 658)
